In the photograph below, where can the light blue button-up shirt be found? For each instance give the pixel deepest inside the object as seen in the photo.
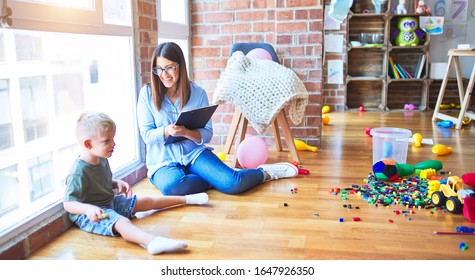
(152, 124)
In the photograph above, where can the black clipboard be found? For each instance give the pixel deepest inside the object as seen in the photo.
(193, 119)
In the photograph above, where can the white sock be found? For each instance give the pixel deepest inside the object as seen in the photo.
(160, 244)
(197, 198)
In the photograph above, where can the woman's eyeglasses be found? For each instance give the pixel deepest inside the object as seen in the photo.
(170, 69)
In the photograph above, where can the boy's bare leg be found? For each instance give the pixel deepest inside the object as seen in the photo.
(153, 244)
(159, 202)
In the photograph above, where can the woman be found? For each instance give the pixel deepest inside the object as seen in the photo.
(188, 166)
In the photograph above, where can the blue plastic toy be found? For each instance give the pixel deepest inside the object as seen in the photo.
(446, 124)
(465, 229)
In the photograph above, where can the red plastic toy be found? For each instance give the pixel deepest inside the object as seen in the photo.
(368, 131)
(469, 208)
(469, 179)
(303, 171)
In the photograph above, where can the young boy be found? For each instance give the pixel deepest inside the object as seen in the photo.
(99, 204)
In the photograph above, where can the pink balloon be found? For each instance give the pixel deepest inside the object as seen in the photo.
(252, 152)
(259, 54)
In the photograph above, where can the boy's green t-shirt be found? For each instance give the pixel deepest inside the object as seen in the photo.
(89, 183)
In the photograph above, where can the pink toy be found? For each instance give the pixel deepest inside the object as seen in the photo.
(410, 107)
(469, 208)
(421, 7)
(368, 131)
(252, 152)
(469, 179)
(259, 53)
(361, 108)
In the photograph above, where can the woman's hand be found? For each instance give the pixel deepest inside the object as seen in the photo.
(177, 130)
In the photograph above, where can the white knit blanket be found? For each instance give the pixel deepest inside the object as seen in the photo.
(261, 88)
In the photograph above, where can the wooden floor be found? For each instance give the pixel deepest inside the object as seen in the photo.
(257, 226)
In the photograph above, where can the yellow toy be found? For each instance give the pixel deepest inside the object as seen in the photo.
(103, 216)
(441, 150)
(302, 146)
(325, 109)
(451, 194)
(427, 173)
(434, 185)
(417, 140)
(222, 156)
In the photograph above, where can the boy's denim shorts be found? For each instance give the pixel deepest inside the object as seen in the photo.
(120, 207)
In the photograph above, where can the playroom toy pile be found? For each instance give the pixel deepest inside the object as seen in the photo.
(421, 186)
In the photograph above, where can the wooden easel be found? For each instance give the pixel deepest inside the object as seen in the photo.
(464, 94)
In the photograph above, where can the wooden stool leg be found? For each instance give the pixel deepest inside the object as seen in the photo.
(241, 133)
(275, 131)
(284, 125)
(232, 130)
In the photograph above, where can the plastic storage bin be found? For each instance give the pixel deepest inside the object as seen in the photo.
(390, 142)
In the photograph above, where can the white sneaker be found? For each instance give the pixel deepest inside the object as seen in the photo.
(280, 170)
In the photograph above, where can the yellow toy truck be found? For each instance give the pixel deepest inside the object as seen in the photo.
(450, 194)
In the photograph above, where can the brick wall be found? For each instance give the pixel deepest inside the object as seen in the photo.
(293, 27)
(334, 95)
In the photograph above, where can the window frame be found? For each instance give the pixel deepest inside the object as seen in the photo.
(177, 32)
(45, 17)
(37, 17)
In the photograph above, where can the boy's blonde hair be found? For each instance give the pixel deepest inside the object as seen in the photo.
(92, 123)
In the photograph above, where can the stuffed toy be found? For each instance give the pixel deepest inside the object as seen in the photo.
(401, 8)
(421, 7)
(407, 32)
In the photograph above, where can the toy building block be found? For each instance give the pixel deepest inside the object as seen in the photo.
(427, 173)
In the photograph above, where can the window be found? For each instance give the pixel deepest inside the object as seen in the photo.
(174, 24)
(49, 74)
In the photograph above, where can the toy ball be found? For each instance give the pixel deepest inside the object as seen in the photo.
(252, 152)
(325, 120)
(259, 53)
(368, 131)
(386, 170)
(325, 109)
(222, 156)
(361, 108)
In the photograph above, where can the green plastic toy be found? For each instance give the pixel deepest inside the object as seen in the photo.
(389, 170)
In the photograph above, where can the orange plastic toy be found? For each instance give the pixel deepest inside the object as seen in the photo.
(441, 150)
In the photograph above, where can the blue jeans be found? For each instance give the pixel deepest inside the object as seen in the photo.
(207, 171)
(119, 207)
